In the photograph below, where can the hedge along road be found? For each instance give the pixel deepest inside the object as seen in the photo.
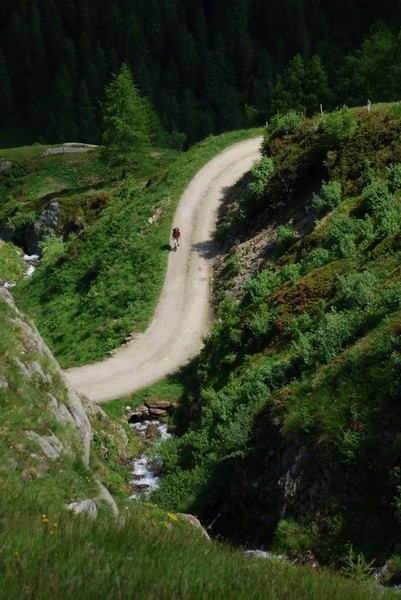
(182, 315)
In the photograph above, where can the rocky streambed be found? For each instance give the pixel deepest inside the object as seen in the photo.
(146, 468)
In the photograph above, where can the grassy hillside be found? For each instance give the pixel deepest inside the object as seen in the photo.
(129, 549)
(102, 281)
(292, 422)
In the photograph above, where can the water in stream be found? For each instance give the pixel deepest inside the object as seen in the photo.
(31, 262)
(145, 472)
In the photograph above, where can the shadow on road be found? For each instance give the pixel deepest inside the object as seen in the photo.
(208, 250)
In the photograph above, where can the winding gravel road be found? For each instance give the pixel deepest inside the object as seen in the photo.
(183, 312)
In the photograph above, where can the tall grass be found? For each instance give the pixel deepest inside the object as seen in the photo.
(148, 553)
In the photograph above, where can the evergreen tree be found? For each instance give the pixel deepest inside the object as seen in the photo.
(288, 92)
(63, 101)
(87, 125)
(125, 120)
(302, 87)
(316, 87)
(373, 72)
(6, 94)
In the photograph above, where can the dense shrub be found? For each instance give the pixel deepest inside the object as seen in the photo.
(261, 173)
(347, 234)
(390, 296)
(315, 259)
(293, 538)
(20, 221)
(330, 196)
(286, 123)
(52, 249)
(356, 289)
(383, 207)
(324, 343)
(337, 126)
(260, 286)
(286, 236)
(261, 321)
(291, 272)
(393, 174)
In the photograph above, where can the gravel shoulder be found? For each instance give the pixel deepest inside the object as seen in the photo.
(182, 315)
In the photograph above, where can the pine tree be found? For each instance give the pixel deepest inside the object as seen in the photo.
(288, 92)
(6, 93)
(316, 88)
(88, 127)
(125, 120)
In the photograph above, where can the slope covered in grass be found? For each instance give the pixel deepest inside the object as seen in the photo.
(103, 281)
(292, 422)
(125, 549)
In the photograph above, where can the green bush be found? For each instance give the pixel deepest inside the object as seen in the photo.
(337, 126)
(315, 259)
(390, 296)
(383, 207)
(20, 221)
(356, 289)
(286, 236)
(357, 567)
(347, 234)
(233, 265)
(287, 123)
(261, 173)
(260, 286)
(330, 196)
(52, 248)
(393, 174)
(261, 321)
(291, 272)
(323, 344)
(293, 538)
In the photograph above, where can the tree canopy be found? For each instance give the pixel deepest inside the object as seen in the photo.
(125, 119)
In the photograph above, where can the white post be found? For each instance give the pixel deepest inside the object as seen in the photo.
(321, 111)
(369, 105)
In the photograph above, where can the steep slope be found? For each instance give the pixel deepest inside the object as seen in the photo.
(61, 533)
(293, 435)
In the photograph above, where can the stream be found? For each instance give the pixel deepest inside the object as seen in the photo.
(145, 469)
(31, 262)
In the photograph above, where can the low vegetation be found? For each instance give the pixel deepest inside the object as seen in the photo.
(102, 279)
(47, 551)
(292, 417)
(287, 428)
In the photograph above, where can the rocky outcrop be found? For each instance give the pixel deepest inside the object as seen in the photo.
(84, 507)
(66, 406)
(5, 165)
(151, 409)
(46, 225)
(194, 521)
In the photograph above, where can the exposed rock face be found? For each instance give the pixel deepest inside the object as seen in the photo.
(50, 444)
(151, 409)
(67, 408)
(46, 224)
(56, 400)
